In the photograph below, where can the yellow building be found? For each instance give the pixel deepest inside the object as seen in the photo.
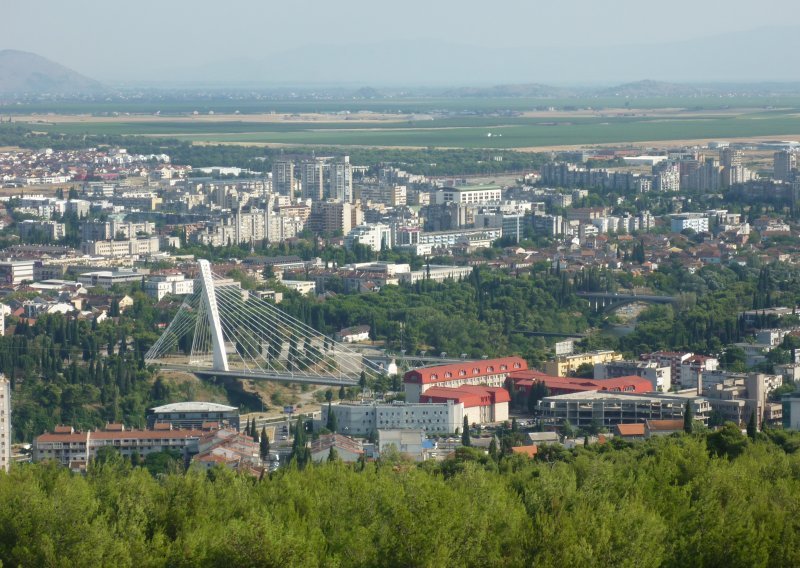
(566, 364)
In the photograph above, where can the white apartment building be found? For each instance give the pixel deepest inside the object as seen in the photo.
(471, 194)
(49, 229)
(436, 273)
(659, 375)
(340, 180)
(16, 271)
(131, 247)
(376, 237)
(160, 285)
(304, 287)
(103, 231)
(107, 279)
(698, 222)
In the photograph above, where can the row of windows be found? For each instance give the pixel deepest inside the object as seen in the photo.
(475, 371)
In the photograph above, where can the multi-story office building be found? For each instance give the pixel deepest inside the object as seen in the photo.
(609, 408)
(107, 278)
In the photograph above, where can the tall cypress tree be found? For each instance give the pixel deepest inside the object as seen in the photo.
(333, 455)
(688, 418)
(263, 445)
(465, 441)
(752, 426)
(331, 424)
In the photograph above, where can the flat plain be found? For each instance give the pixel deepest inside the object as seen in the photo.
(529, 124)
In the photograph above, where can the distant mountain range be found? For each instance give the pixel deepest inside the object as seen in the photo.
(754, 62)
(25, 72)
(753, 56)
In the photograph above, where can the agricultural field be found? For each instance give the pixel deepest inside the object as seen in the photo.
(487, 124)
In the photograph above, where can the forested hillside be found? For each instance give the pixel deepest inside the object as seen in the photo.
(689, 500)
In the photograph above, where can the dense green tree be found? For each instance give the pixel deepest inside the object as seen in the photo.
(331, 424)
(536, 393)
(727, 441)
(752, 426)
(263, 445)
(688, 418)
(333, 455)
(465, 439)
(493, 449)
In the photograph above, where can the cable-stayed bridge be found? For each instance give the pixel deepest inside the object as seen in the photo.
(223, 330)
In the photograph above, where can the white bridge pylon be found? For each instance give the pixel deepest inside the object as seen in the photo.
(220, 358)
(222, 329)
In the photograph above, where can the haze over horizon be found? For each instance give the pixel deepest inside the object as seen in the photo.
(448, 42)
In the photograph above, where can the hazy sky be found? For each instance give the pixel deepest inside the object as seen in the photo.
(111, 41)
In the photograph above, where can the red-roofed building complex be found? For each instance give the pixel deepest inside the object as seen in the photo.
(489, 372)
(481, 404)
(523, 381)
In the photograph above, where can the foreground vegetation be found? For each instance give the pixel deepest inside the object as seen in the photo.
(700, 500)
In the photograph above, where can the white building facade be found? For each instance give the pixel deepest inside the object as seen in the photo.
(363, 419)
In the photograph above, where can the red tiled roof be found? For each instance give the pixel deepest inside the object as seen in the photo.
(529, 451)
(341, 442)
(465, 370)
(665, 425)
(127, 435)
(523, 380)
(469, 395)
(630, 429)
